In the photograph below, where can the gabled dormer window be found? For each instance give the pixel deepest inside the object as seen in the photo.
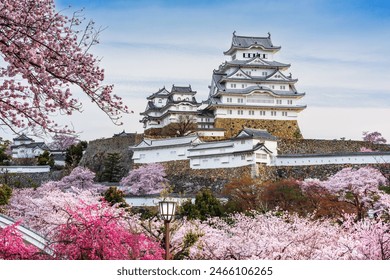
(160, 101)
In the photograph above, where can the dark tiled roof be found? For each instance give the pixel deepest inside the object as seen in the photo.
(23, 137)
(256, 133)
(240, 42)
(180, 89)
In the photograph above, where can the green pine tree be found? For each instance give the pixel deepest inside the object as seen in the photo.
(113, 170)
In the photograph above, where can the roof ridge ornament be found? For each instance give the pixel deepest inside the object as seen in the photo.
(269, 35)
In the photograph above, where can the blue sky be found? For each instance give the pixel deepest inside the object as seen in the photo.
(339, 51)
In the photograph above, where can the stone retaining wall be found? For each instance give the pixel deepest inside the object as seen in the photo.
(279, 128)
(314, 146)
(97, 150)
(188, 181)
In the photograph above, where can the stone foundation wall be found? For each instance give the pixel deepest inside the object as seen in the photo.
(282, 129)
(29, 180)
(189, 181)
(313, 146)
(322, 172)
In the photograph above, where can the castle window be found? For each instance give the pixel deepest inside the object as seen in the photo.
(262, 113)
(243, 55)
(265, 56)
(278, 101)
(230, 112)
(233, 85)
(251, 113)
(284, 114)
(240, 100)
(289, 102)
(264, 73)
(178, 98)
(273, 113)
(160, 101)
(282, 87)
(243, 157)
(229, 99)
(272, 86)
(240, 112)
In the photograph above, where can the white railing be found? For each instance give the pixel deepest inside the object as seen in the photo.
(25, 169)
(28, 235)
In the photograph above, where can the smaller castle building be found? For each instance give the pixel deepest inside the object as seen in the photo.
(250, 146)
(26, 147)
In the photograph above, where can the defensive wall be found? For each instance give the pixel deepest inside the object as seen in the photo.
(187, 180)
(97, 151)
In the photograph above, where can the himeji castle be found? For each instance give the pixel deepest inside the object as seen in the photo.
(250, 89)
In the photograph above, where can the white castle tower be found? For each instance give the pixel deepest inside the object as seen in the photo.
(253, 90)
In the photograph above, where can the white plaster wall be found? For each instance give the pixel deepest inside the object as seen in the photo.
(339, 159)
(223, 113)
(160, 155)
(25, 169)
(221, 161)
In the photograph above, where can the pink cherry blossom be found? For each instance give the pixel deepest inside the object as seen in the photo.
(44, 60)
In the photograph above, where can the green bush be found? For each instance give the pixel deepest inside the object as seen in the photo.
(206, 205)
(5, 194)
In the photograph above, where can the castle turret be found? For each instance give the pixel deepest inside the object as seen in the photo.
(167, 111)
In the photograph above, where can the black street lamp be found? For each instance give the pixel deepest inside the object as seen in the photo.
(167, 211)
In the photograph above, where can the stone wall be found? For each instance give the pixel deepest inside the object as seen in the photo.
(279, 128)
(313, 146)
(322, 172)
(29, 180)
(97, 150)
(188, 181)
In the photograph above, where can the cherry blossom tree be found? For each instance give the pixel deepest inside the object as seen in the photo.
(12, 246)
(45, 56)
(147, 179)
(374, 137)
(359, 187)
(80, 178)
(62, 142)
(282, 236)
(98, 231)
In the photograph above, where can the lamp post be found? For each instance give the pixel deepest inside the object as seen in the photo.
(167, 211)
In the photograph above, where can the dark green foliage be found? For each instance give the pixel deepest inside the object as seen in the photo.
(115, 196)
(190, 238)
(5, 194)
(146, 212)
(74, 154)
(45, 159)
(4, 158)
(206, 205)
(113, 171)
(386, 189)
